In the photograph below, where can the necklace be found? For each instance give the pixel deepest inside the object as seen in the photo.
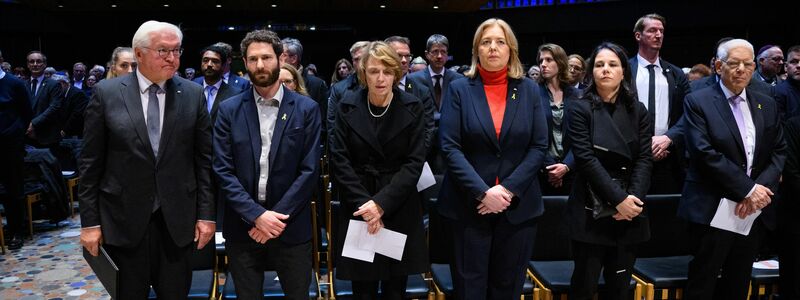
(391, 96)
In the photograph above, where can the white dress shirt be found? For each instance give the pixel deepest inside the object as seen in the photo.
(661, 123)
(750, 136)
(145, 84)
(267, 117)
(433, 80)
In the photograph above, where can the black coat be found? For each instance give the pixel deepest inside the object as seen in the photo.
(75, 102)
(603, 143)
(383, 166)
(48, 112)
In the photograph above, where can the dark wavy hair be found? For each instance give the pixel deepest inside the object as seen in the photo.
(626, 93)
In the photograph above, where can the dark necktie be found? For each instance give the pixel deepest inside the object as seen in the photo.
(437, 91)
(33, 87)
(651, 94)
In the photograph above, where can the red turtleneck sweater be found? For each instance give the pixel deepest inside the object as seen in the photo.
(495, 84)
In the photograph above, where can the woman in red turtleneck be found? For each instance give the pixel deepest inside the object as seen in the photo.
(493, 135)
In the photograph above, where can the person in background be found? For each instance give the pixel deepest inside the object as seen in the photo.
(122, 62)
(343, 68)
(292, 80)
(534, 73)
(577, 71)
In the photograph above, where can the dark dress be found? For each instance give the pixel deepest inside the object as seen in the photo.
(380, 159)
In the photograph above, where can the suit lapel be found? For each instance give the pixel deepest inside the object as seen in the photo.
(725, 113)
(285, 112)
(482, 113)
(670, 88)
(634, 66)
(131, 96)
(251, 119)
(173, 89)
(606, 135)
(397, 120)
(358, 119)
(512, 102)
(758, 120)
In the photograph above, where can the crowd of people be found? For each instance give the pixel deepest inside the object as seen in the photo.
(164, 160)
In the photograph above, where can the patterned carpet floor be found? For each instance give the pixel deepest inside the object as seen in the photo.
(49, 266)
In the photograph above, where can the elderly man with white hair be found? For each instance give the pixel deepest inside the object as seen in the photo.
(736, 148)
(146, 169)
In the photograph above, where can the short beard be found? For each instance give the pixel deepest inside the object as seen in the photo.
(272, 77)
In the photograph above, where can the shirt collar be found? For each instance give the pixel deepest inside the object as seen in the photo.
(644, 63)
(39, 79)
(278, 95)
(216, 85)
(2, 73)
(403, 81)
(728, 93)
(434, 73)
(145, 83)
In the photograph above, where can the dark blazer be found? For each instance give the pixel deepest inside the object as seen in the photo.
(381, 164)
(717, 159)
(418, 89)
(15, 109)
(75, 105)
(570, 94)
(225, 92)
(233, 80)
(424, 77)
(293, 164)
(316, 87)
(678, 88)
(120, 174)
(755, 85)
(606, 145)
(48, 112)
(787, 96)
(337, 92)
(787, 210)
(476, 158)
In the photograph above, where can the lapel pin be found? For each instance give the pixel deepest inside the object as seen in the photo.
(283, 117)
(759, 106)
(514, 94)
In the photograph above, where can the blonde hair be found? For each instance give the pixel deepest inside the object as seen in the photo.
(383, 53)
(300, 83)
(514, 65)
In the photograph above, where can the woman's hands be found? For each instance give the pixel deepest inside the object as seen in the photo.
(496, 200)
(371, 213)
(628, 208)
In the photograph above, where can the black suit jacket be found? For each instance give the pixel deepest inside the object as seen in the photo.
(418, 89)
(717, 160)
(424, 77)
(754, 85)
(75, 105)
(233, 80)
(120, 174)
(48, 111)
(337, 92)
(607, 145)
(15, 109)
(225, 92)
(790, 187)
(678, 88)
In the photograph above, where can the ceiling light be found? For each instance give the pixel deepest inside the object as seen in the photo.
(274, 5)
(313, 28)
(166, 5)
(435, 7)
(231, 28)
(219, 5)
(383, 6)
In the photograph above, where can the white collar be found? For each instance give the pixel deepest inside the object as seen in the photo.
(145, 83)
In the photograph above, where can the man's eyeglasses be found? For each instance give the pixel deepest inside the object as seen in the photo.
(438, 52)
(36, 61)
(735, 64)
(407, 56)
(162, 52)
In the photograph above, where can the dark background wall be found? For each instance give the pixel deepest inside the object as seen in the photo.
(67, 35)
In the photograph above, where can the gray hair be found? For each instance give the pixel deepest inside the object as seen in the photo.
(358, 46)
(59, 78)
(724, 48)
(293, 46)
(764, 53)
(437, 39)
(398, 39)
(79, 64)
(142, 36)
(418, 61)
(50, 70)
(99, 68)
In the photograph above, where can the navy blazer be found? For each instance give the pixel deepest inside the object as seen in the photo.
(424, 76)
(233, 81)
(570, 94)
(476, 158)
(717, 159)
(293, 164)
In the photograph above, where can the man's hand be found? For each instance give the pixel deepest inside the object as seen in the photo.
(203, 232)
(555, 174)
(628, 208)
(270, 222)
(659, 146)
(91, 238)
(259, 236)
(372, 213)
(30, 132)
(760, 198)
(497, 199)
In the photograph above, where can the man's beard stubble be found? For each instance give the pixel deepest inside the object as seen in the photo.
(272, 77)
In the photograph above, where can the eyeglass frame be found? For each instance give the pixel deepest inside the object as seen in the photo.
(747, 64)
(163, 52)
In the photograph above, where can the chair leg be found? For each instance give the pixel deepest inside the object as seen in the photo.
(2, 237)
(29, 202)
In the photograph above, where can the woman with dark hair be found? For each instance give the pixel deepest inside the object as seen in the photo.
(342, 69)
(556, 92)
(493, 135)
(377, 153)
(609, 135)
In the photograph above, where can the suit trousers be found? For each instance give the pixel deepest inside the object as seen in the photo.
(490, 257)
(12, 164)
(394, 289)
(616, 263)
(723, 254)
(155, 261)
(248, 261)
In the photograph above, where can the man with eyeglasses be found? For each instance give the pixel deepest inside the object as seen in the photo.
(736, 148)
(713, 79)
(44, 131)
(146, 169)
(402, 45)
(770, 62)
(577, 70)
(661, 87)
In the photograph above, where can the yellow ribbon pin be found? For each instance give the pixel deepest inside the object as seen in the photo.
(514, 94)
(759, 106)
(284, 117)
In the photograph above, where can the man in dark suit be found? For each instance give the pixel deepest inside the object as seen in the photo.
(436, 78)
(770, 61)
(293, 55)
(78, 76)
(145, 188)
(340, 88)
(661, 87)
(15, 115)
(787, 93)
(214, 88)
(713, 80)
(402, 45)
(737, 151)
(75, 102)
(44, 131)
(227, 77)
(266, 156)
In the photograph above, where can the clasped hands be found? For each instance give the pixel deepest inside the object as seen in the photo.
(268, 225)
(759, 199)
(495, 200)
(372, 213)
(628, 208)
(659, 146)
(555, 174)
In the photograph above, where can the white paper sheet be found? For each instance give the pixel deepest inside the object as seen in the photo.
(359, 244)
(770, 264)
(218, 239)
(726, 219)
(426, 178)
(352, 240)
